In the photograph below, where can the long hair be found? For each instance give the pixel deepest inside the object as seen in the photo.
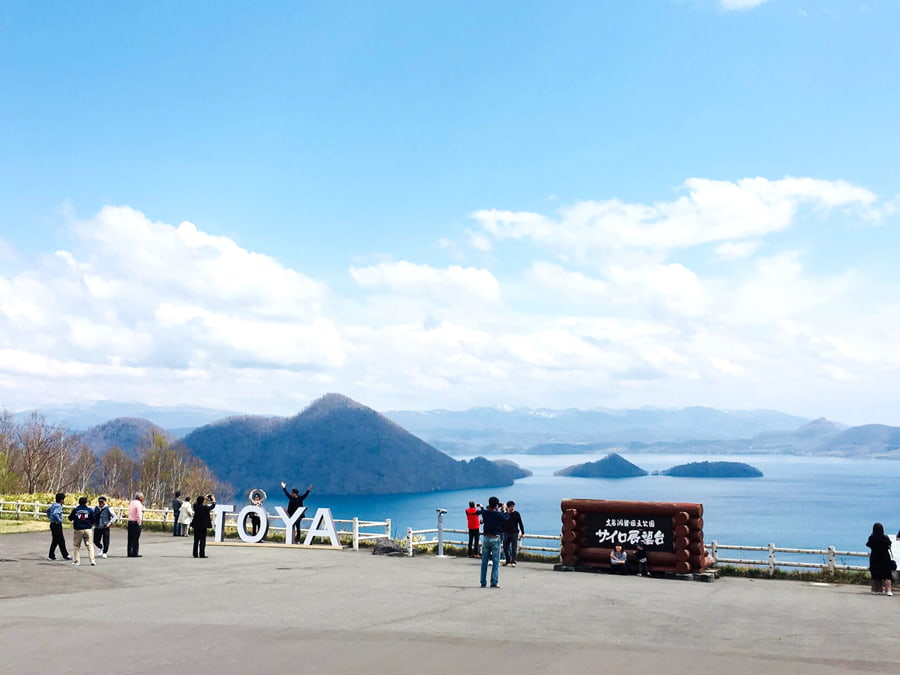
(878, 529)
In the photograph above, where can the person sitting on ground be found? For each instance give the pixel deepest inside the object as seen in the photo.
(618, 560)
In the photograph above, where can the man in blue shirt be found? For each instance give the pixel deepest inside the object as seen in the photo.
(493, 521)
(54, 513)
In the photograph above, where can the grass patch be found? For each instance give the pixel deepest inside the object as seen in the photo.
(849, 577)
(11, 526)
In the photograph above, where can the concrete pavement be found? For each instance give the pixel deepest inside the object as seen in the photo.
(268, 609)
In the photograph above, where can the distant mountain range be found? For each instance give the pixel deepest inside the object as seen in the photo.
(487, 431)
(493, 430)
(175, 419)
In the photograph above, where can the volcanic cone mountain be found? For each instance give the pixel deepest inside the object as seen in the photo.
(341, 447)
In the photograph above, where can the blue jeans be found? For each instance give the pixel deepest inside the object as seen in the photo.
(490, 550)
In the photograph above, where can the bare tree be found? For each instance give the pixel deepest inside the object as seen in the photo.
(117, 474)
(10, 481)
(83, 467)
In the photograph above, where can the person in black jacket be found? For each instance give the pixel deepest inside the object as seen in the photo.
(203, 507)
(880, 560)
(82, 517)
(513, 530)
(295, 501)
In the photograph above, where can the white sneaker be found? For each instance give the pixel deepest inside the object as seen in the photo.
(93, 563)
(103, 555)
(889, 593)
(76, 564)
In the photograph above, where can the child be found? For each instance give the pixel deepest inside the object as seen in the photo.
(640, 554)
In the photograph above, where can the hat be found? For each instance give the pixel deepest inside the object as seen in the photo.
(101, 499)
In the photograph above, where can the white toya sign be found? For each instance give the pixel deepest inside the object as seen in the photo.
(322, 524)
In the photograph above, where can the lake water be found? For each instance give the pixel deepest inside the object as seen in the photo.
(800, 502)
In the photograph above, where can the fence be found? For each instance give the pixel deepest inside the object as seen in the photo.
(830, 559)
(359, 530)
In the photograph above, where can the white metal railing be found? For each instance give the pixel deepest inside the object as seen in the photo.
(829, 558)
(358, 530)
(421, 538)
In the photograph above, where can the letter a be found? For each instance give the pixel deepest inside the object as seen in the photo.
(323, 526)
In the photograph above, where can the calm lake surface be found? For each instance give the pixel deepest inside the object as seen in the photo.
(800, 502)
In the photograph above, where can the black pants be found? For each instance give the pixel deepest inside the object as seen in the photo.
(474, 535)
(254, 524)
(199, 543)
(56, 532)
(134, 539)
(101, 539)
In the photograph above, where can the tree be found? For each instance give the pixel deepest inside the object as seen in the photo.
(10, 481)
(117, 474)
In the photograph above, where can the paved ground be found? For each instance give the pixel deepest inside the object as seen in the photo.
(273, 609)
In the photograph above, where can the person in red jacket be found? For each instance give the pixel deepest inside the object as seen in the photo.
(473, 524)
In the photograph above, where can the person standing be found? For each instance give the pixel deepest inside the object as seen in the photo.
(513, 530)
(185, 516)
(256, 499)
(493, 520)
(473, 524)
(135, 524)
(103, 518)
(295, 501)
(55, 514)
(176, 510)
(82, 517)
(202, 522)
(880, 560)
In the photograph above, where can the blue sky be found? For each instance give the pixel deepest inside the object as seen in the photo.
(431, 205)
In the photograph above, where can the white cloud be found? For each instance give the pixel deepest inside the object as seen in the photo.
(442, 283)
(732, 5)
(632, 306)
(712, 211)
(731, 250)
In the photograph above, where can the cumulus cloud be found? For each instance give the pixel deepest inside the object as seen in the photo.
(698, 300)
(138, 293)
(711, 211)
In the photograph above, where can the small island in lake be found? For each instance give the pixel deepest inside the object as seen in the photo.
(611, 466)
(713, 470)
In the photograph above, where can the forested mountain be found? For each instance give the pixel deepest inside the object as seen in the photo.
(340, 446)
(125, 433)
(611, 466)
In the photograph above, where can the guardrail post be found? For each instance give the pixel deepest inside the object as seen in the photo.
(714, 550)
(355, 533)
(771, 560)
(409, 541)
(440, 532)
(18, 509)
(387, 528)
(831, 559)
